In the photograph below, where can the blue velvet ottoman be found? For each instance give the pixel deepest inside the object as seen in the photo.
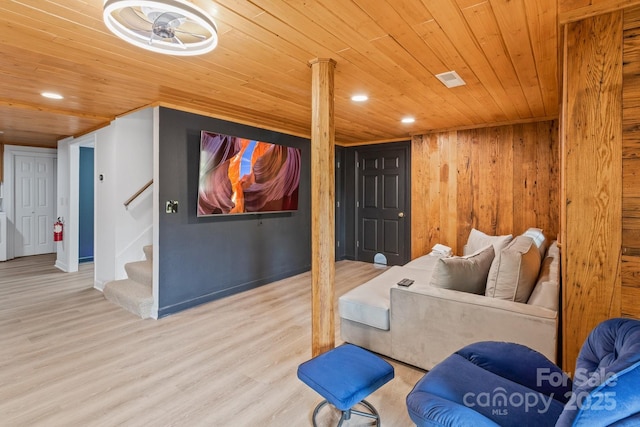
(344, 376)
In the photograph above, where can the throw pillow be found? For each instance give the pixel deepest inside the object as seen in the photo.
(465, 273)
(478, 240)
(539, 239)
(513, 275)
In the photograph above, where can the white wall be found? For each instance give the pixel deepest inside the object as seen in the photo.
(134, 157)
(124, 159)
(68, 198)
(156, 212)
(3, 225)
(64, 259)
(3, 236)
(105, 211)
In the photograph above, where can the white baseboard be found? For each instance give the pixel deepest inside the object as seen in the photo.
(154, 309)
(99, 285)
(61, 266)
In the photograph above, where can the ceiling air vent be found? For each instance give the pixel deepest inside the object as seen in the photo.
(450, 79)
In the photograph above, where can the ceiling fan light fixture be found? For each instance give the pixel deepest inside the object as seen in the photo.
(172, 27)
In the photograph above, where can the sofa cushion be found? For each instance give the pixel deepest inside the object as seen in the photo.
(466, 273)
(369, 303)
(425, 262)
(546, 291)
(478, 240)
(545, 294)
(513, 275)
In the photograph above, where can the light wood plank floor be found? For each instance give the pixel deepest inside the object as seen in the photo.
(71, 358)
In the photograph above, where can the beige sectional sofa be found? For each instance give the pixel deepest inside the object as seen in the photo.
(445, 309)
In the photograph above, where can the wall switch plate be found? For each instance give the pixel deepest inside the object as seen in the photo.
(171, 206)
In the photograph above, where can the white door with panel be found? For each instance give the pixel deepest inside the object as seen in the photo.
(34, 205)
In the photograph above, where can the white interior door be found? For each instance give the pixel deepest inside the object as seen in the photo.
(34, 205)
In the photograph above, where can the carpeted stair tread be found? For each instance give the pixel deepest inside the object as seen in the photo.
(140, 271)
(148, 252)
(133, 296)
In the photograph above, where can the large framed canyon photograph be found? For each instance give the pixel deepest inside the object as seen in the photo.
(243, 176)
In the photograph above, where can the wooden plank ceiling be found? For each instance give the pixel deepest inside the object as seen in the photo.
(505, 50)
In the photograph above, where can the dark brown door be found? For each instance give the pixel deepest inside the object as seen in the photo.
(382, 205)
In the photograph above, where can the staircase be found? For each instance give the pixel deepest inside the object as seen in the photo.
(135, 293)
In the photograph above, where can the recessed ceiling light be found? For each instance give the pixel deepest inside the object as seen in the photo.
(359, 98)
(408, 120)
(52, 95)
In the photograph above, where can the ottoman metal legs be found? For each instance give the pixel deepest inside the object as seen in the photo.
(344, 376)
(346, 415)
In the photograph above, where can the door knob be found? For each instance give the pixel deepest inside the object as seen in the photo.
(400, 214)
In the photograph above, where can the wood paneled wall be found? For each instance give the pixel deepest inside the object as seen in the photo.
(499, 180)
(591, 178)
(630, 304)
(574, 10)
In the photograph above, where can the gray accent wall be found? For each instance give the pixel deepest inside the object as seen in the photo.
(206, 258)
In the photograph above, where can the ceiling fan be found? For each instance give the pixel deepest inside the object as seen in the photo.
(166, 26)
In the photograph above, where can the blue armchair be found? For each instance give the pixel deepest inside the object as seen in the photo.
(505, 384)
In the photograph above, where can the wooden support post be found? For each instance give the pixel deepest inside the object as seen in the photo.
(592, 178)
(322, 207)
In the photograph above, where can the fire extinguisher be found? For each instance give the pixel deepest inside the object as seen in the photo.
(58, 228)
